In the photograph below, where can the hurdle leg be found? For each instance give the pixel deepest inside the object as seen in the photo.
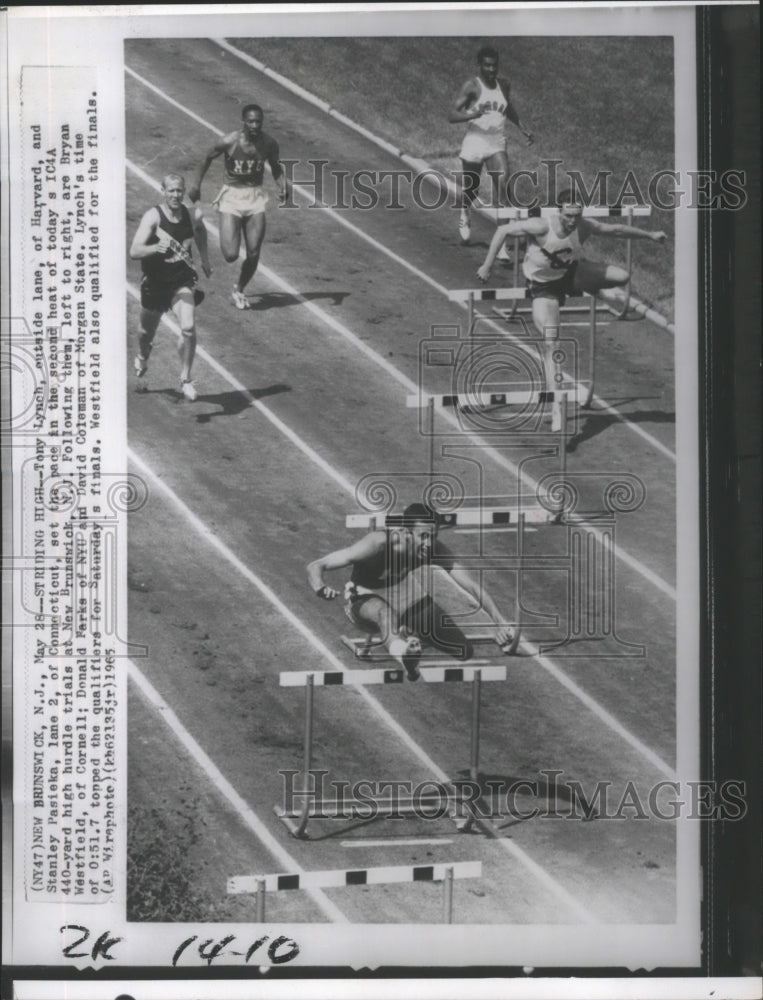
(447, 896)
(260, 901)
(474, 755)
(301, 826)
(464, 824)
(592, 355)
(563, 438)
(470, 313)
(515, 302)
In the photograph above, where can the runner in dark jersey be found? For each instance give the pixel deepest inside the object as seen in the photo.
(162, 244)
(384, 587)
(555, 267)
(242, 201)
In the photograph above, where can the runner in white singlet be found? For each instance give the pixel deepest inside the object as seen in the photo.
(555, 266)
(484, 102)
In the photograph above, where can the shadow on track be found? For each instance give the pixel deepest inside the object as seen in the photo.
(234, 402)
(231, 403)
(277, 300)
(595, 422)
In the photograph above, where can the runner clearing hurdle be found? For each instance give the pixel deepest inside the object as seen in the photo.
(386, 559)
(555, 267)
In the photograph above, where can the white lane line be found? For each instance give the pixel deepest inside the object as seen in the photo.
(631, 561)
(525, 647)
(226, 789)
(412, 842)
(295, 439)
(606, 717)
(509, 846)
(381, 248)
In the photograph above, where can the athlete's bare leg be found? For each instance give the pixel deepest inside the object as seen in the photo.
(546, 320)
(498, 169)
(381, 618)
(254, 234)
(149, 322)
(183, 308)
(591, 276)
(467, 185)
(230, 236)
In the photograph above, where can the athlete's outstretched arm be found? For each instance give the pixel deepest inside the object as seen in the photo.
(279, 176)
(513, 115)
(194, 191)
(528, 227)
(366, 547)
(622, 232)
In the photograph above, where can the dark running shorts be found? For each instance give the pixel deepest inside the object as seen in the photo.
(157, 297)
(558, 290)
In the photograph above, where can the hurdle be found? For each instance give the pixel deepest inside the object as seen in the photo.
(475, 296)
(259, 885)
(297, 818)
(489, 517)
(511, 397)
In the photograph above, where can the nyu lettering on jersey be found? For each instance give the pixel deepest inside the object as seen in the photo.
(247, 167)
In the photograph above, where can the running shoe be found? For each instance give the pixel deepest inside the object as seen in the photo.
(141, 367)
(464, 229)
(240, 301)
(407, 652)
(189, 390)
(510, 647)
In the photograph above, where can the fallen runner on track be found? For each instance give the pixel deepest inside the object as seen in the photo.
(387, 594)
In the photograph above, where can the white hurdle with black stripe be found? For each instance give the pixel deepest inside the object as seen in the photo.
(509, 213)
(476, 296)
(487, 517)
(345, 877)
(296, 819)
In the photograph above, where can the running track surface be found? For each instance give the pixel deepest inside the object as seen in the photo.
(300, 398)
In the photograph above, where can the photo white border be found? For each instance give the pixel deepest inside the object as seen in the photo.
(55, 36)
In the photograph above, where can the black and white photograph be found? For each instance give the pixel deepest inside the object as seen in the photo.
(359, 490)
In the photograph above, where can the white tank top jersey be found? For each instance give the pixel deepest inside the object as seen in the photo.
(493, 103)
(551, 260)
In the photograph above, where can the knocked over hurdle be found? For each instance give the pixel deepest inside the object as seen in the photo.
(445, 873)
(296, 818)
